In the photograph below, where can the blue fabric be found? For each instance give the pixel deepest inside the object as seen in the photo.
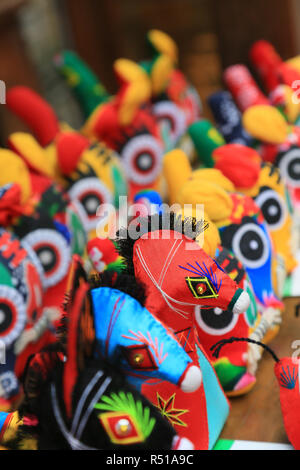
(120, 321)
(228, 118)
(216, 402)
(153, 197)
(3, 417)
(261, 278)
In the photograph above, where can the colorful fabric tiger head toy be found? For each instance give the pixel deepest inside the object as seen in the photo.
(124, 122)
(176, 103)
(76, 396)
(89, 172)
(25, 323)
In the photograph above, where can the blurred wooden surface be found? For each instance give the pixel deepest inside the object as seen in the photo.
(238, 24)
(257, 416)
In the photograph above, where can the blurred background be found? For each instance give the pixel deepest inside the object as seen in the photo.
(211, 34)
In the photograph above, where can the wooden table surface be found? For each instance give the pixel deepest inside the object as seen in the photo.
(257, 415)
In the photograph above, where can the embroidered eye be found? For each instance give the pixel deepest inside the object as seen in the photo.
(201, 288)
(125, 420)
(272, 207)
(142, 158)
(251, 245)
(139, 357)
(12, 314)
(121, 428)
(53, 252)
(90, 193)
(215, 321)
(289, 164)
(170, 114)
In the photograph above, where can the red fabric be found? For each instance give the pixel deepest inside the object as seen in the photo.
(69, 147)
(266, 60)
(241, 328)
(152, 255)
(159, 258)
(193, 405)
(243, 88)
(10, 205)
(287, 74)
(239, 164)
(107, 127)
(269, 152)
(35, 112)
(106, 247)
(71, 367)
(289, 397)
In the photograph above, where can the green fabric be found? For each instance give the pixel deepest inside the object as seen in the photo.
(5, 276)
(206, 139)
(228, 374)
(86, 86)
(288, 287)
(223, 444)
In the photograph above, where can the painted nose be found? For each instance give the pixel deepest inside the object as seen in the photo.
(241, 301)
(192, 380)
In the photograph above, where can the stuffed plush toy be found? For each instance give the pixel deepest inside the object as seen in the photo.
(178, 276)
(261, 181)
(242, 230)
(237, 369)
(104, 255)
(273, 127)
(40, 214)
(77, 398)
(90, 172)
(176, 102)
(25, 324)
(226, 208)
(273, 71)
(228, 118)
(287, 372)
(126, 125)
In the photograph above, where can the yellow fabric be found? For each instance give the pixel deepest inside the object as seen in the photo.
(281, 236)
(160, 74)
(266, 123)
(14, 170)
(291, 109)
(164, 44)
(12, 428)
(138, 90)
(294, 62)
(34, 154)
(217, 203)
(213, 175)
(88, 127)
(177, 170)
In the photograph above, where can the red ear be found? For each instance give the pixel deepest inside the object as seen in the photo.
(239, 164)
(35, 112)
(69, 146)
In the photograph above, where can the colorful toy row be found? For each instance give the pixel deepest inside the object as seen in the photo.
(107, 344)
